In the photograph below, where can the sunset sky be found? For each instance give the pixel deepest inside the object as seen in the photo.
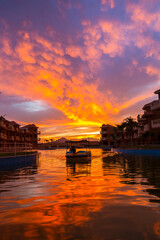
(71, 65)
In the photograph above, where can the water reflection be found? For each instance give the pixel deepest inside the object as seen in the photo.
(78, 170)
(111, 198)
(135, 169)
(20, 170)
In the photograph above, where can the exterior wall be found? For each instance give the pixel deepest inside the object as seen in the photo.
(147, 131)
(151, 123)
(107, 135)
(11, 133)
(155, 123)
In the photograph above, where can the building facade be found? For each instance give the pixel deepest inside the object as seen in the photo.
(11, 133)
(149, 122)
(146, 130)
(107, 135)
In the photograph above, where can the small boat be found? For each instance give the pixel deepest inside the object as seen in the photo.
(78, 156)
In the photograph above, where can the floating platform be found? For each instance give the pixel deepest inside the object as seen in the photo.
(11, 162)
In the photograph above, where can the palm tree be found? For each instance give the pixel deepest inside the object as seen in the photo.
(130, 124)
(120, 129)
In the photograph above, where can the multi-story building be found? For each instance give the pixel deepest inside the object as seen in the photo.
(30, 134)
(146, 131)
(107, 135)
(11, 133)
(150, 120)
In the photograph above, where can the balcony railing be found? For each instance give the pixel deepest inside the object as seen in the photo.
(155, 123)
(11, 138)
(140, 118)
(103, 132)
(155, 105)
(135, 128)
(148, 113)
(140, 131)
(135, 135)
(3, 125)
(11, 128)
(3, 136)
(104, 138)
(28, 139)
(16, 148)
(146, 127)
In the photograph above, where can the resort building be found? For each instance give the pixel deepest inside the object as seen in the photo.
(145, 130)
(107, 135)
(11, 133)
(149, 122)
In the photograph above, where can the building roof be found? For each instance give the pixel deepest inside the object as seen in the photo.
(3, 119)
(157, 91)
(146, 106)
(13, 123)
(147, 113)
(29, 126)
(106, 125)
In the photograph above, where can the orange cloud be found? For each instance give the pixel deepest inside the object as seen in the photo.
(79, 101)
(24, 51)
(38, 68)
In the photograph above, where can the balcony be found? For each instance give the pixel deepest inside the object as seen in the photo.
(155, 105)
(140, 118)
(3, 136)
(22, 130)
(135, 135)
(104, 138)
(28, 139)
(3, 125)
(140, 132)
(135, 128)
(22, 139)
(148, 113)
(155, 123)
(11, 138)
(17, 138)
(104, 132)
(146, 127)
(11, 128)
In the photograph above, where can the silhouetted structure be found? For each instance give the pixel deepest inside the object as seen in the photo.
(11, 133)
(145, 130)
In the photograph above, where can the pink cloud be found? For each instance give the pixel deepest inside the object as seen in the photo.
(81, 71)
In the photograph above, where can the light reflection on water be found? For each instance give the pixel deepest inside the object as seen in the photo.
(111, 198)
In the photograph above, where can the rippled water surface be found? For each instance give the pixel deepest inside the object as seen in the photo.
(111, 198)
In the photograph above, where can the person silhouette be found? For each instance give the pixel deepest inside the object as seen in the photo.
(73, 149)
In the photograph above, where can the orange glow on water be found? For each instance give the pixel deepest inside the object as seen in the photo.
(60, 198)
